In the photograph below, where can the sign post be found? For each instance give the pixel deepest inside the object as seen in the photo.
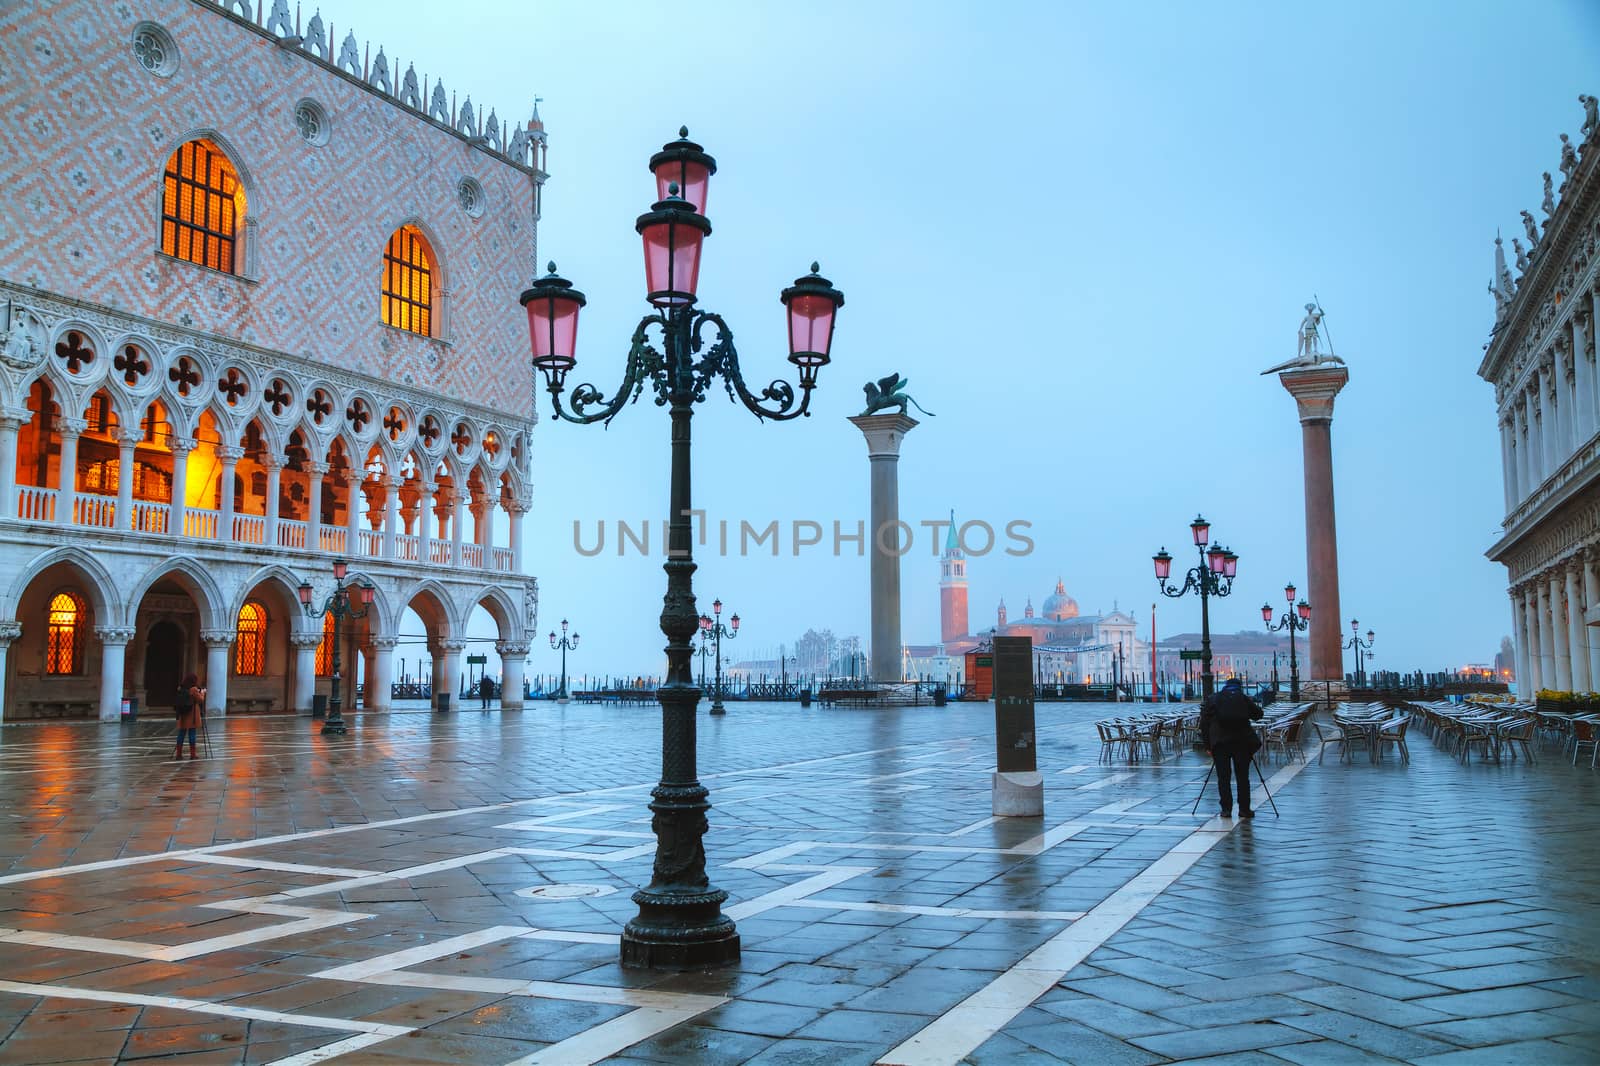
(1018, 790)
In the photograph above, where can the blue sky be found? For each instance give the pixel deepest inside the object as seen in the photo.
(1081, 231)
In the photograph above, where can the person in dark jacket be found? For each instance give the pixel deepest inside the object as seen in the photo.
(1230, 741)
(485, 691)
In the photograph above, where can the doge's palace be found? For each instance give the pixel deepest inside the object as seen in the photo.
(258, 288)
(1541, 361)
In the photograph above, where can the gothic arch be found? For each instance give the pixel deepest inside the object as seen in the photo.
(505, 611)
(441, 607)
(284, 581)
(254, 204)
(96, 578)
(196, 580)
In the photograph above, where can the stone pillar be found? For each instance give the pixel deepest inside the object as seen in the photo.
(230, 455)
(380, 680)
(1591, 598)
(1577, 638)
(1519, 630)
(513, 659)
(1562, 649)
(356, 502)
(517, 511)
(886, 539)
(10, 422)
(391, 514)
(1527, 480)
(274, 465)
(9, 631)
(1530, 615)
(113, 659)
(218, 642)
(1583, 410)
(1549, 432)
(425, 520)
(447, 668)
(1508, 461)
(315, 473)
(67, 473)
(458, 504)
(1547, 638)
(1314, 390)
(126, 441)
(1560, 412)
(486, 525)
(305, 669)
(181, 447)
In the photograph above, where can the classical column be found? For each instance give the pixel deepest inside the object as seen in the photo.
(458, 502)
(517, 511)
(1560, 412)
(513, 659)
(486, 525)
(315, 473)
(181, 447)
(888, 537)
(1549, 428)
(11, 420)
(127, 440)
(1314, 390)
(67, 472)
(1547, 636)
(356, 502)
(217, 642)
(1583, 409)
(1558, 631)
(230, 455)
(1536, 426)
(1508, 463)
(447, 667)
(1527, 478)
(1519, 631)
(1591, 597)
(9, 631)
(305, 669)
(274, 465)
(113, 658)
(425, 520)
(380, 686)
(391, 513)
(1577, 638)
(1530, 614)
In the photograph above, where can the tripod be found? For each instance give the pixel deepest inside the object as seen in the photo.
(205, 734)
(1207, 782)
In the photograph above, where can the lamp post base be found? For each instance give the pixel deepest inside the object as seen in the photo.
(718, 708)
(680, 930)
(333, 727)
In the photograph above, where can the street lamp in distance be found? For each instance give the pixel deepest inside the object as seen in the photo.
(1296, 618)
(1212, 577)
(714, 630)
(337, 604)
(566, 644)
(1362, 648)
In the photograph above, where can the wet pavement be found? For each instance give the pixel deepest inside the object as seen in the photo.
(451, 889)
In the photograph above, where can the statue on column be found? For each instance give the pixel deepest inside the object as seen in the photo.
(1308, 351)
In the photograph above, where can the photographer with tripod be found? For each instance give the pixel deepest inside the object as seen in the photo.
(1231, 742)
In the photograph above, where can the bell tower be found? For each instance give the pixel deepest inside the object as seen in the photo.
(952, 587)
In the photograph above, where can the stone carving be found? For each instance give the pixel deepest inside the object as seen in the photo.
(378, 76)
(21, 341)
(1522, 255)
(409, 94)
(466, 121)
(1531, 228)
(316, 38)
(530, 602)
(1308, 350)
(491, 131)
(242, 6)
(350, 55)
(518, 151)
(439, 105)
(9, 631)
(278, 22)
(889, 392)
(1548, 205)
(1591, 114)
(1569, 159)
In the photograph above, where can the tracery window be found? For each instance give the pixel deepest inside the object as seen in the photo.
(325, 649)
(64, 648)
(202, 207)
(250, 647)
(407, 288)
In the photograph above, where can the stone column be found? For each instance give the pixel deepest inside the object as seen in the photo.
(447, 668)
(1583, 409)
(391, 514)
(1508, 463)
(230, 455)
(513, 659)
(217, 642)
(356, 503)
(315, 473)
(1530, 614)
(1577, 638)
(10, 422)
(1591, 597)
(486, 524)
(425, 521)
(126, 441)
(380, 681)
(9, 631)
(1558, 630)
(274, 465)
(458, 504)
(1519, 630)
(1527, 481)
(1547, 637)
(1549, 431)
(1314, 390)
(181, 447)
(305, 669)
(67, 473)
(517, 511)
(1560, 412)
(886, 539)
(113, 658)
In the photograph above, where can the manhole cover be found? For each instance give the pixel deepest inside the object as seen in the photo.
(556, 892)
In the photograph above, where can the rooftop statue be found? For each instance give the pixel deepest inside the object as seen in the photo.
(1522, 255)
(889, 392)
(1308, 352)
(1591, 114)
(1549, 204)
(1531, 228)
(1569, 158)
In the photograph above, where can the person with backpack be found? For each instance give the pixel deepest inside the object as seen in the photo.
(1231, 742)
(190, 704)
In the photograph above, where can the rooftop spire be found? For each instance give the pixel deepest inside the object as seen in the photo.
(952, 543)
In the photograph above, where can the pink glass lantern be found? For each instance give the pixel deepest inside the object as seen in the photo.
(735, 621)
(685, 164)
(1201, 530)
(1230, 564)
(340, 568)
(1163, 563)
(1305, 611)
(1214, 558)
(812, 303)
(552, 304)
(673, 235)
(1266, 613)
(305, 593)
(1288, 592)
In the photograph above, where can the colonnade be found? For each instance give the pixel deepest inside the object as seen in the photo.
(1556, 408)
(1556, 649)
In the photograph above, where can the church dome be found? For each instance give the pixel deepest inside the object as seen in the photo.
(1058, 606)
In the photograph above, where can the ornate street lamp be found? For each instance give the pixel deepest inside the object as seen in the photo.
(680, 924)
(714, 630)
(337, 604)
(1360, 647)
(1296, 618)
(1213, 577)
(566, 644)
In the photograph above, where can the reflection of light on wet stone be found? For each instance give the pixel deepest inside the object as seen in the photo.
(560, 892)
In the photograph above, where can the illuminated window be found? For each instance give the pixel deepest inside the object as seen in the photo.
(250, 647)
(325, 649)
(64, 654)
(202, 206)
(407, 288)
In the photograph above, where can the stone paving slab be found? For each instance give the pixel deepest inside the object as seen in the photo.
(376, 898)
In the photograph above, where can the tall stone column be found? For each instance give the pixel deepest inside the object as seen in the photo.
(1314, 390)
(458, 518)
(380, 686)
(274, 465)
(11, 420)
(217, 642)
(181, 447)
(517, 511)
(1547, 635)
(113, 658)
(887, 538)
(1578, 640)
(315, 472)
(1526, 479)
(513, 660)
(1519, 630)
(425, 521)
(1508, 463)
(1591, 597)
(1530, 615)
(447, 667)
(127, 440)
(357, 502)
(69, 430)
(391, 513)
(9, 631)
(230, 454)
(1562, 649)
(1583, 381)
(305, 670)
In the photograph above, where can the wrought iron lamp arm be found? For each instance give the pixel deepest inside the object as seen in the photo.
(644, 363)
(1289, 621)
(722, 360)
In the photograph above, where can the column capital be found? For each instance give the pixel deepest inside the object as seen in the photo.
(884, 433)
(428, 488)
(71, 427)
(514, 648)
(230, 453)
(393, 482)
(447, 645)
(317, 469)
(384, 643)
(518, 508)
(273, 461)
(129, 437)
(182, 444)
(217, 638)
(114, 634)
(1314, 390)
(305, 640)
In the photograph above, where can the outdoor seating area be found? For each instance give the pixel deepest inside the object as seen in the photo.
(1154, 736)
(1495, 729)
(1370, 727)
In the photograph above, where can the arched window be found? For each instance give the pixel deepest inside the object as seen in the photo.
(250, 647)
(202, 207)
(64, 651)
(406, 292)
(325, 649)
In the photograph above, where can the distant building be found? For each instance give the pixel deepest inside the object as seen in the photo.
(1248, 655)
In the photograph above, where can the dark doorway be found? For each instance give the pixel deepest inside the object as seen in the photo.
(163, 664)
